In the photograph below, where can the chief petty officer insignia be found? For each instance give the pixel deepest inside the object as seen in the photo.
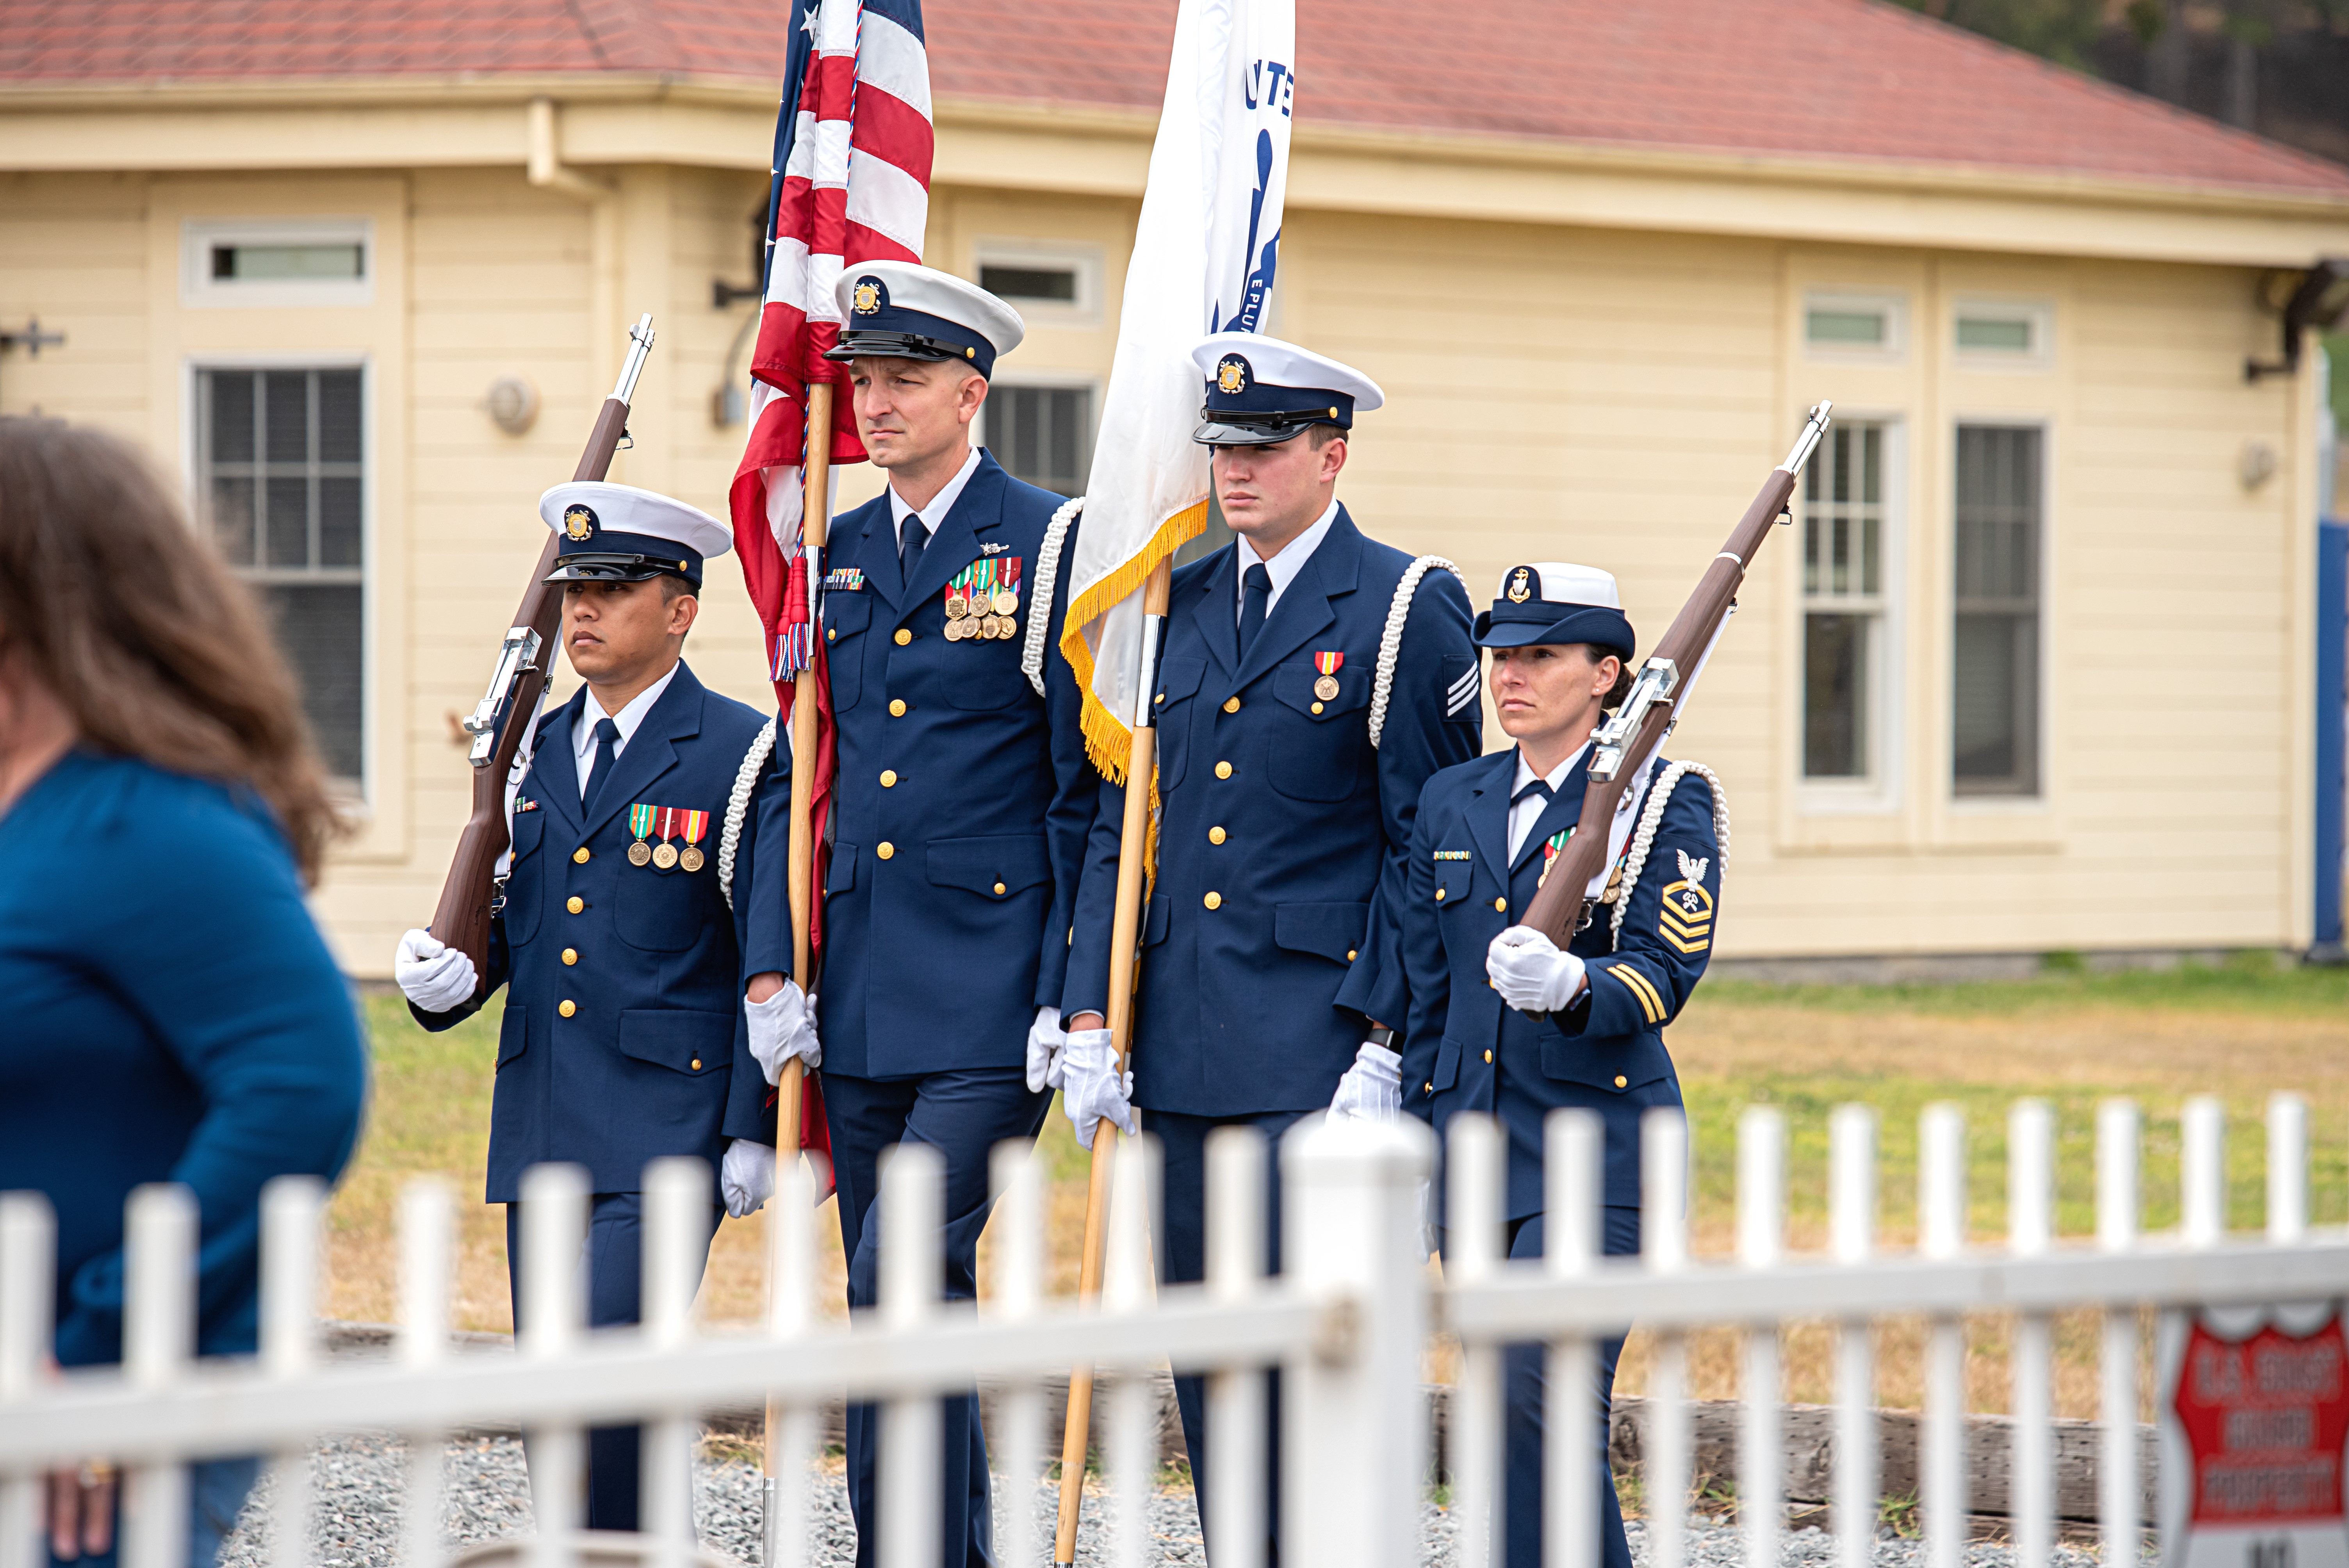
(579, 522)
(1520, 585)
(1686, 918)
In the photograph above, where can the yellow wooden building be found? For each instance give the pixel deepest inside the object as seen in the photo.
(2035, 670)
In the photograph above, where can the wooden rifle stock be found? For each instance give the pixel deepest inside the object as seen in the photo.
(1623, 745)
(499, 725)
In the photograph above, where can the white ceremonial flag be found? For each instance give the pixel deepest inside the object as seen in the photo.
(1204, 254)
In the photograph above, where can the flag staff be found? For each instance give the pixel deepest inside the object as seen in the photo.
(1124, 975)
(791, 1091)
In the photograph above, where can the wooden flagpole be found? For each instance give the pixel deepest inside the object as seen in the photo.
(1124, 972)
(815, 523)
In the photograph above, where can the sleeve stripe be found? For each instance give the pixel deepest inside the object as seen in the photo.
(1650, 1002)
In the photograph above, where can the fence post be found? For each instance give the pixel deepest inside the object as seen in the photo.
(1356, 1444)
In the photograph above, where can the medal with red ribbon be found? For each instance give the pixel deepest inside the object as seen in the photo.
(665, 856)
(1328, 663)
(692, 825)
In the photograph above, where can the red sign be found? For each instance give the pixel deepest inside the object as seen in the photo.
(2266, 1419)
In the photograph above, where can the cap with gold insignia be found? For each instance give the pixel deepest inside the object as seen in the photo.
(899, 309)
(1262, 391)
(1557, 602)
(616, 533)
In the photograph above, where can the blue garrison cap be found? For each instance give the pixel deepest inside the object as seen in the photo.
(1262, 391)
(899, 309)
(1554, 601)
(616, 533)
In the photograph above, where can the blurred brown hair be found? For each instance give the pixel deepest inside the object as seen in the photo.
(129, 618)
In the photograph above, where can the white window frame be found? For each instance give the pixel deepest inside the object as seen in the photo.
(2039, 312)
(200, 290)
(1084, 260)
(2038, 800)
(1892, 302)
(1878, 789)
(371, 609)
(1053, 380)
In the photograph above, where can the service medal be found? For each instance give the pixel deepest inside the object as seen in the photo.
(956, 605)
(986, 624)
(1010, 628)
(666, 856)
(640, 822)
(694, 824)
(958, 630)
(640, 854)
(1005, 602)
(690, 859)
(1328, 663)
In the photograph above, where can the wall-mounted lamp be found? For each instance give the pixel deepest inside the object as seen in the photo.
(511, 405)
(2256, 464)
(2317, 300)
(30, 338)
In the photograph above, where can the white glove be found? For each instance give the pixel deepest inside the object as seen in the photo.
(782, 1027)
(747, 1177)
(1371, 1089)
(1091, 1088)
(1046, 1041)
(1530, 972)
(433, 974)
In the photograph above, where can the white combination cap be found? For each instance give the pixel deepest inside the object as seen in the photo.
(617, 533)
(902, 310)
(1261, 391)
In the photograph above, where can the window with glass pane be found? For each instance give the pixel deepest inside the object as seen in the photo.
(279, 458)
(1042, 434)
(1844, 582)
(1994, 700)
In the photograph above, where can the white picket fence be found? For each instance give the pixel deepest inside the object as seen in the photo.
(1348, 1321)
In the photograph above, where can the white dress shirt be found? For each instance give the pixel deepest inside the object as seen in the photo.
(591, 713)
(941, 504)
(1525, 813)
(1284, 567)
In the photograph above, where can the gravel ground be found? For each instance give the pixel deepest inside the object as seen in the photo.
(358, 1483)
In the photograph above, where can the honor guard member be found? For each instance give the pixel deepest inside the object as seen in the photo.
(1501, 1020)
(958, 815)
(1312, 679)
(613, 936)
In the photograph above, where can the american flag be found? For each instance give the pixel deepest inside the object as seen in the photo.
(852, 184)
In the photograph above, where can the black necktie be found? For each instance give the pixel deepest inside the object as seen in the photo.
(1258, 593)
(910, 541)
(608, 736)
(1537, 787)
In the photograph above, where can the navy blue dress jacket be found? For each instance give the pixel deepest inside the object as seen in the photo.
(622, 1031)
(963, 801)
(1466, 1051)
(1280, 823)
(172, 1015)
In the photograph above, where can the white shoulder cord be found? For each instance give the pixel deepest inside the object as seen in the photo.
(1039, 597)
(738, 806)
(1658, 796)
(1391, 640)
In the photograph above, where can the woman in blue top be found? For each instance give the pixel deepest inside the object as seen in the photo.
(173, 1013)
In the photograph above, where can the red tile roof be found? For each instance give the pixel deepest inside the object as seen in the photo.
(1833, 79)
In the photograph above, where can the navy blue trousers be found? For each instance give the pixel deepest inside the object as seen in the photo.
(615, 1295)
(1184, 1140)
(962, 1115)
(1525, 1383)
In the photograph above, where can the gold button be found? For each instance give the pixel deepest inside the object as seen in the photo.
(1490, 986)
(1231, 704)
(830, 635)
(697, 1064)
(1431, 1086)
(571, 955)
(1488, 1056)
(1502, 904)
(998, 890)
(1317, 707)
(1217, 835)
(1162, 699)
(1622, 1082)
(1223, 770)
(888, 778)
(568, 1008)
(896, 707)
(1350, 955)
(904, 636)
(580, 854)
(575, 903)
(1214, 900)
(884, 849)
(1439, 896)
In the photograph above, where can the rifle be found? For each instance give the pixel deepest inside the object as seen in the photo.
(525, 658)
(1561, 906)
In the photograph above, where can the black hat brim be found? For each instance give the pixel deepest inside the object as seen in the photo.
(1592, 625)
(1223, 433)
(584, 568)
